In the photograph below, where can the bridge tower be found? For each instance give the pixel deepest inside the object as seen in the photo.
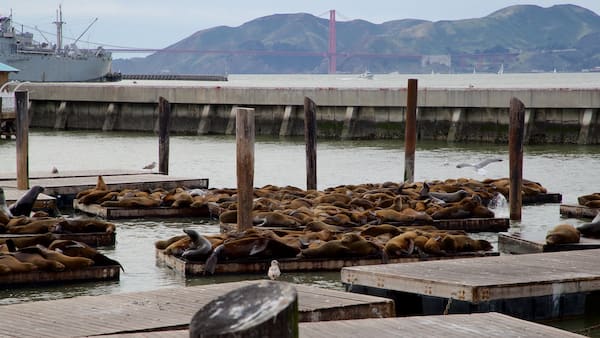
(331, 53)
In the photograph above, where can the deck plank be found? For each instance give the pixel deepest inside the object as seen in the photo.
(487, 278)
(464, 325)
(162, 309)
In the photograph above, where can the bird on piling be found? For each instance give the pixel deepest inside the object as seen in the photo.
(150, 166)
(274, 271)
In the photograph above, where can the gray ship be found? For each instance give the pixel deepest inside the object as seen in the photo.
(51, 62)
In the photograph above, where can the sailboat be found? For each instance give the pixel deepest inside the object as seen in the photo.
(501, 70)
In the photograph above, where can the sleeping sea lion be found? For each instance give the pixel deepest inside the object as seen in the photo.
(24, 204)
(402, 244)
(15, 265)
(164, 243)
(591, 229)
(563, 234)
(69, 262)
(449, 197)
(38, 260)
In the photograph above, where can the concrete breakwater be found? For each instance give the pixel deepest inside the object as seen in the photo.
(455, 114)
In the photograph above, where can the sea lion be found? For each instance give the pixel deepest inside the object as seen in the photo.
(164, 243)
(39, 261)
(449, 197)
(274, 219)
(591, 229)
(229, 216)
(70, 263)
(377, 230)
(133, 202)
(24, 205)
(177, 247)
(563, 234)
(15, 265)
(38, 226)
(5, 213)
(83, 225)
(199, 247)
(79, 249)
(463, 243)
(402, 244)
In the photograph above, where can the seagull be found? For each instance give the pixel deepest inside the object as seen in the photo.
(150, 166)
(480, 164)
(274, 272)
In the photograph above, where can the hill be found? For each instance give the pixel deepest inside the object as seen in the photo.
(522, 38)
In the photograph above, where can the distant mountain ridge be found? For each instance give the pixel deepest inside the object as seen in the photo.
(521, 38)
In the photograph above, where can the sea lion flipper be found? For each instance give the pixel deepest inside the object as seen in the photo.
(259, 247)
(211, 262)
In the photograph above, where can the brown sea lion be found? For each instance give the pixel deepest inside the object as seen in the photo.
(563, 234)
(15, 265)
(177, 247)
(463, 243)
(83, 225)
(164, 243)
(229, 216)
(39, 261)
(70, 263)
(39, 226)
(274, 219)
(133, 202)
(377, 230)
(402, 244)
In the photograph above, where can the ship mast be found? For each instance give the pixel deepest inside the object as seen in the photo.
(59, 23)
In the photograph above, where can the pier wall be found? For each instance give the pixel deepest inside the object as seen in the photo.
(461, 115)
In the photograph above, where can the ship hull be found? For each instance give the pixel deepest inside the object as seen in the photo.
(55, 68)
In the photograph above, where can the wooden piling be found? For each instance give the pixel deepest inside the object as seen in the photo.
(244, 134)
(164, 118)
(22, 121)
(410, 131)
(310, 137)
(516, 133)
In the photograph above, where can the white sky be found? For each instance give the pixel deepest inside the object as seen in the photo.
(159, 23)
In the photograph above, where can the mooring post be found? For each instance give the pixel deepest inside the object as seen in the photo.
(410, 131)
(164, 118)
(22, 121)
(310, 137)
(516, 133)
(244, 134)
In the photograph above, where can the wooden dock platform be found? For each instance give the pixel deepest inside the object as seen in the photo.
(293, 264)
(474, 224)
(536, 286)
(543, 198)
(477, 325)
(66, 185)
(578, 211)
(93, 273)
(120, 213)
(164, 309)
(524, 244)
(95, 239)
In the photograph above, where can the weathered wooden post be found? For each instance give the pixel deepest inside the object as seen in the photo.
(244, 134)
(265, 309)
(22, 121)
(516, 134)
(310, 137)
(410, 131)
(164, 119)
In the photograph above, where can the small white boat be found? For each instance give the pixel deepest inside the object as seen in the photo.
(366, 75)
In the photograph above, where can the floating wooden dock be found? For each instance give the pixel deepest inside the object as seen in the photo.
(93, 273)
(474, 224)
(293, 264)
(169, 308)
(66, 185)
(543, 198)
(120, 212)
(524, 244)
(578, 211)
(477, 325)
(533, 287)
(95, 239)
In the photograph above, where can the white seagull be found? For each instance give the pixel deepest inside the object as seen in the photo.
(150, 166)
(274, 272)
(480, 164)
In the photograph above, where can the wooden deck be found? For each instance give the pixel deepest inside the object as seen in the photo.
(543, 198)
(95, 239)
(524, 244)
(76, 173)
(293, 264)
(484, 279)
(492, 324)
(93, 273)
(120, 213)
(164, 309)
(578, 211)
(474, 224)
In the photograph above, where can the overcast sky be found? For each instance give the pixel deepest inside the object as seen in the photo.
(158, 24)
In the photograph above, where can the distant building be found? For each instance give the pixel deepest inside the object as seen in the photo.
(441, 59)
